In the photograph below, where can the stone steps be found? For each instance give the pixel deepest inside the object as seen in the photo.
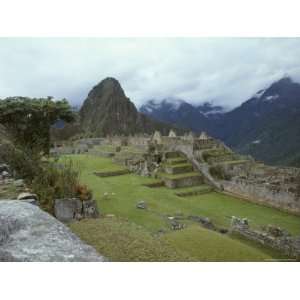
(176, 161)
(182, 180)
(178, 169)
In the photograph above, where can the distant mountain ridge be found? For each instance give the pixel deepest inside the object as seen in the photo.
(179, 112)
(266, 126)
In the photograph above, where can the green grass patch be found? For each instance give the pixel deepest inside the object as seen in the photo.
(8, 191)
(221, 207)
(178, 176)
(119, 196)
(178, 165)
(120, 240)
(193, 188)
(206, 245)
(174, 161)
(235, 162)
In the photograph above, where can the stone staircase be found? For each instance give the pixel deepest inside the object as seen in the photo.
(178, 173)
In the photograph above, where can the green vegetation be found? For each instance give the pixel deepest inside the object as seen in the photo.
(207, 245)
(121, 240)
(176, 161)
(8, 191)
(28, 120)
(56, 182)
(25, 163)
(220, 207)
(119, 195)
(177, 176)
(111, 148)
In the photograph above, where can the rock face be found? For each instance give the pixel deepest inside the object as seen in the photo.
(29, 234)
(67, 210)
(107, 111)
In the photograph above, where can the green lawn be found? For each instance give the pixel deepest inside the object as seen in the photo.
(120, 240)
(177, 176)
(206, 245)
(110, 148)
(118, 195)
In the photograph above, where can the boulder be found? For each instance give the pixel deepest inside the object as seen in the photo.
(175, 225)
(29, 234)
(141, 205)
(204, 221)
(29, 198)
(26, 195)
(89, 209)
(67, 210)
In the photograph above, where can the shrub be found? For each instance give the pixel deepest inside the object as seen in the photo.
(24, 163)
(56, 181)
(83, 192)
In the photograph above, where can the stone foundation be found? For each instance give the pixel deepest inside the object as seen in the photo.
(264, 195)
(272, 237)
(67, 210)
(183, 182)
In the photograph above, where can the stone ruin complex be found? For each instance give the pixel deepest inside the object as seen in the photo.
(203, 164)
(144, 154)
(273, 186)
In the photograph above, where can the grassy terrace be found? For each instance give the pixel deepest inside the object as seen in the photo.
(193, 188)
(177, 165)
(176, 161)
(110, 148)
(176, 176)
(132, 234)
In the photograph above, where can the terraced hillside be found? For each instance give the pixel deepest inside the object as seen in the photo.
(126, 233)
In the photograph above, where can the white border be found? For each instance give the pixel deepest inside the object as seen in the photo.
(149, 18)
(161, 18)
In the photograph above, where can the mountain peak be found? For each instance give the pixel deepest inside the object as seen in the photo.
(107, 111)
(284, 80)
(107, 86)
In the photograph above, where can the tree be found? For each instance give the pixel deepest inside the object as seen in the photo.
(28, 120)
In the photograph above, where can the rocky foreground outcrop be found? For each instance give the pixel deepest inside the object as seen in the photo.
(29, 234)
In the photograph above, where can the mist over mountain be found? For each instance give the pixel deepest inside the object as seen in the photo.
(181, 113)
(266, 126)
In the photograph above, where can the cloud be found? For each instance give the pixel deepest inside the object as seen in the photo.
(226, 71)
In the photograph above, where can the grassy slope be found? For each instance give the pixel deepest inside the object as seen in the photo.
(206, 245)
(125, 191)
(120, 240)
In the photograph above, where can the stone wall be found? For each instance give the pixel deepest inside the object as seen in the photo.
(273, 237)
(263, 194)
(66, 210)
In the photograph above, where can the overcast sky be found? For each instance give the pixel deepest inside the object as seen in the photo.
(226, 71)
